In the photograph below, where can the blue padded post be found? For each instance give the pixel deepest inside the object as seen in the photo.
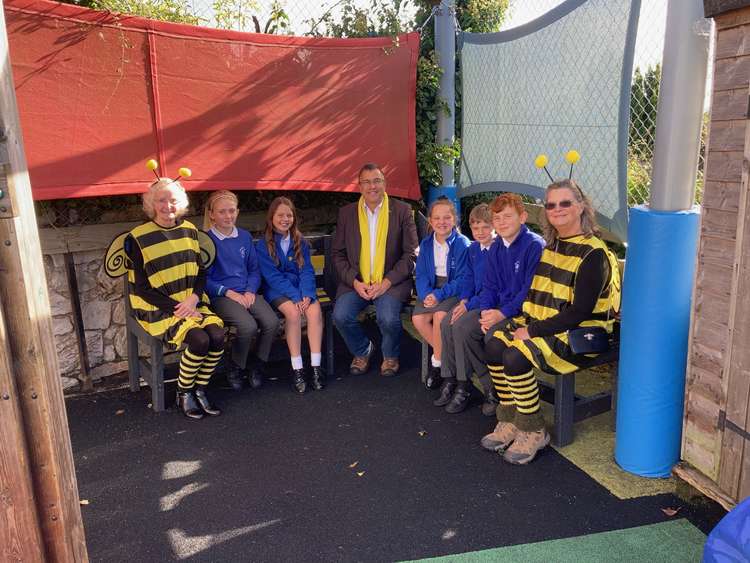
(656, 303)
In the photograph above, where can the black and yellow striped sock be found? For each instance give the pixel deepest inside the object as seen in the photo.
(208, 367)
(506, 409)
(525, 391)
(189, 365)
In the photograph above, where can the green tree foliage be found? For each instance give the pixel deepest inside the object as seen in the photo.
(178, 11)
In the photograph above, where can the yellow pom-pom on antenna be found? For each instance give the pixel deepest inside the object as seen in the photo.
(185, 172)
(541, 161)
(152, 164)
(571, 157)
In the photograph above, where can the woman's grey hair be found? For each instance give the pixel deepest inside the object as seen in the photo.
(589, 226)
(164, 184)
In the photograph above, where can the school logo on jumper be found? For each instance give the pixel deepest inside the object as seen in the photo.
(517, 265)
(242, 252)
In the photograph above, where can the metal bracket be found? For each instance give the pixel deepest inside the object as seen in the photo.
(724, 424)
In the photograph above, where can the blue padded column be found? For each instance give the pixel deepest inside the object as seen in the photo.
(656, 304)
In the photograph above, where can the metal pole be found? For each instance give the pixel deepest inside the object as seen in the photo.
(680, 109)
(445, 46)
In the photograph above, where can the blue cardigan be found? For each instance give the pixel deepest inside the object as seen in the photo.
(286, 279)
(456, 266)
(509, 271)
(475, 266)
(236, 265)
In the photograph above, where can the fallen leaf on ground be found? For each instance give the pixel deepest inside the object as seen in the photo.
(422, 432)
(84, 501)
(353, 465)
(360, 473)
(120, 411)
(669, 511)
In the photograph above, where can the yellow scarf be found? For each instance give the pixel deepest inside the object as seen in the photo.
(381, 234)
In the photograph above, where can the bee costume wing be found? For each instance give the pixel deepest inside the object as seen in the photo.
(116, 261)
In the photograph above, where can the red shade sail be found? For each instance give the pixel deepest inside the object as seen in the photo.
(100, 93)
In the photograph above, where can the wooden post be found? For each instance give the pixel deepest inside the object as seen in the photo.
(38, 455)
(20, 539)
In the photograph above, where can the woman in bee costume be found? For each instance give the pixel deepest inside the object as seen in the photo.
(167, 282)
(576, 285)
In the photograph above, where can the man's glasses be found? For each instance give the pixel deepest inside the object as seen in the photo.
(564, 204)
(374, 182)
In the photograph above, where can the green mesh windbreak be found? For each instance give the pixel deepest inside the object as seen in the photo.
(560, 82)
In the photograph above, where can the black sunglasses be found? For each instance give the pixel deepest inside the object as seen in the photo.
(564, 204)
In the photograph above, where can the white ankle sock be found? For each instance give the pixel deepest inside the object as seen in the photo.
(435, 362)
(297, 362)
(315, 359)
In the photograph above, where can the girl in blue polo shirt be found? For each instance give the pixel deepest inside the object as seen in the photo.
(289, 285)
(233, 282)
(441, 266)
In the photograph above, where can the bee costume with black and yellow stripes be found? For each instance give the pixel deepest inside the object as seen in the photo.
(510, 361)
(171, 260)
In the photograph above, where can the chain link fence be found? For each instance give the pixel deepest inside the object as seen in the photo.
(644, 90)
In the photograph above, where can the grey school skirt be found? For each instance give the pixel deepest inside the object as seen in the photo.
(446, 305)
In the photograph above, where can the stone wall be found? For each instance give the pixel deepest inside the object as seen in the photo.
(102, 312)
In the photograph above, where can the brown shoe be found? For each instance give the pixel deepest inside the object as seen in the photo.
(500, 438)
(360, 364)
(525, 447)
(389, 367)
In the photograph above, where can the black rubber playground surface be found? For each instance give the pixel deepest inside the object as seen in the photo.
(367, 470)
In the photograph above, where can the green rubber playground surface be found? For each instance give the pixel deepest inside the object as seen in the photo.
(677, 541)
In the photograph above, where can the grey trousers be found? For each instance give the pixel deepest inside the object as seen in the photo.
(470, 340)
(457, 357)
(249, 322)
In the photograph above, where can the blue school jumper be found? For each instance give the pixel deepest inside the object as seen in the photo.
(456, 266)
(475, 266)
(509, 271)
(286, 279)
(235, 267)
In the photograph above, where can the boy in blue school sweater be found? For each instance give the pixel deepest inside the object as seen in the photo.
(455, 390)
(510, 265)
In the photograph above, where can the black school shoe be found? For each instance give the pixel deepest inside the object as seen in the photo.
(433, 380)
(234, 378)
(459, 401)
(446, 393)
(298, 380)
(257, 374)
(318, 378)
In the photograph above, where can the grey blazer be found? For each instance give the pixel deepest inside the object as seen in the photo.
(401, 245)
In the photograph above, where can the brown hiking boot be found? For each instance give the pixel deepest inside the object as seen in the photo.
(389, 367)
(525, 446)
(500, 438)
(360, 364)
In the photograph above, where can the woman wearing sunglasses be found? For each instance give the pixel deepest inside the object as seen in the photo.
(573, 286)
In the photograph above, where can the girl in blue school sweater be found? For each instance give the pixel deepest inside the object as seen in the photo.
(289, 286)
(232, 283)
(441, 266)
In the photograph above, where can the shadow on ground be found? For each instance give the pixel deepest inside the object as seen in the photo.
(367, 470)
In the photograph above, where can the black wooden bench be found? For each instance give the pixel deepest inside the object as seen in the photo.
(152, 369)
(571, 407)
